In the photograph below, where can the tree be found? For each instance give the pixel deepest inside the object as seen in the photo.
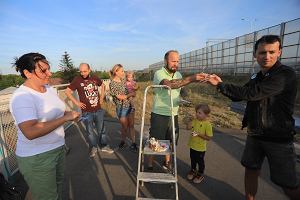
(101, 74)
(10, 80)
(69, 71)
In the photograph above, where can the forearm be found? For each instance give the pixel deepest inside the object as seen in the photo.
(34, 129)
(70, 96)
(178, 83)
(132, 94)
(204, 137)
(102, 94)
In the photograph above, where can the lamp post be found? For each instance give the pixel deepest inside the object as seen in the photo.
(252, 23)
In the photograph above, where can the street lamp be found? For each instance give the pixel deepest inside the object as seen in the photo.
(252, 23)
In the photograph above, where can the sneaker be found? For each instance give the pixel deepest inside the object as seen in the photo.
(198, 179)
(167, 166)
(93, 152)
(191, 175)
(107, 149)
(122, 145)
(133, 148)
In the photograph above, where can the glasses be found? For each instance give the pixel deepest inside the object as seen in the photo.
(44, 70)
(41, 69)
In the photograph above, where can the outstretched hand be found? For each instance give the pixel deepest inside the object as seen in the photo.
(214, 79)
(201, 77)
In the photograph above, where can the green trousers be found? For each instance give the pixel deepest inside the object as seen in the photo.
(44, 173)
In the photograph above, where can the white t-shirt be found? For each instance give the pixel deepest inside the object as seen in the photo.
(27, 104)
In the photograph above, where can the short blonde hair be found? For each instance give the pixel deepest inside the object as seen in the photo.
(130, 73)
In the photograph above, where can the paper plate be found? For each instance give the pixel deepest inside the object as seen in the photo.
(164, 147)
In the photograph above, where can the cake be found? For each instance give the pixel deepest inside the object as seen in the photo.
(154, 145)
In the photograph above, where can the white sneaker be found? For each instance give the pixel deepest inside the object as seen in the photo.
(107, 149)
(93, 152)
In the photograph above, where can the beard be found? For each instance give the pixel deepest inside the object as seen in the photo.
(171, 69)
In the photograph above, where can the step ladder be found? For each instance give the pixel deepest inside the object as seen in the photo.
(156, 178)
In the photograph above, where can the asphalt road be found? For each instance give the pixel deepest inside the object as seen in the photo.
(113, 176)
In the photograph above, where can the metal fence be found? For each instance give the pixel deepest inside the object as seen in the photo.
(235, 56)
(8, 133)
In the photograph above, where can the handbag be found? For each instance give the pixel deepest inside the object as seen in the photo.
(7, 191)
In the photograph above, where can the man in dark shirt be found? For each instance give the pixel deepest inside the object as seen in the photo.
(270, 96)
(89, 102)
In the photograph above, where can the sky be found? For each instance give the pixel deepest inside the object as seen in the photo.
(135, 33)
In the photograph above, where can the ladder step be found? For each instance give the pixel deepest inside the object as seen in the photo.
(143, 198)
(156, 177)
(149, 151)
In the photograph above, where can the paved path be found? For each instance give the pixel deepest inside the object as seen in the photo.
(113, 176)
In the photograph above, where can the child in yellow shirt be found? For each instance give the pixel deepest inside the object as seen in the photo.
(201, 133)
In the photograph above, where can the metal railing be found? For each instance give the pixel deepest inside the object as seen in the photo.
(8, 140)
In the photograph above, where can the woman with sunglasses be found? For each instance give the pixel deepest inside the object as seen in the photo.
(39, 115)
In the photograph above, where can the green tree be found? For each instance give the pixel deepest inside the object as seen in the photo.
(69, 71)
(10, 80)
(101, 74)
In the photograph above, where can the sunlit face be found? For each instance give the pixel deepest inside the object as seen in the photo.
(129, 77)
(200, 115)
(120, 73)
(84, 70)
(172, 62)
(42, 72)
(267, 54)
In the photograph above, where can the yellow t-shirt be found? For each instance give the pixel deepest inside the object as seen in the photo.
(201, 127)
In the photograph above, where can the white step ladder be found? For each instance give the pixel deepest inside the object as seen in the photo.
(170, 178)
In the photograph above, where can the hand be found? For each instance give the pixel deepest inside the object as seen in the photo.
(80, 105)
(71, 115)
(201, 76)
(194, 134)
(122, 97)
(214, 79)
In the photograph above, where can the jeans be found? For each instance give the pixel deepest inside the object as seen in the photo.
(95, 120)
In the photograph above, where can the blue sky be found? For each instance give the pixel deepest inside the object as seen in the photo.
(135, 33)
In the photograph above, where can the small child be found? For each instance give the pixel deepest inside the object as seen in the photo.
(131, 86)
(201, 133)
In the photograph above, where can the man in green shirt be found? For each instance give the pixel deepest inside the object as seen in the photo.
(160, 122)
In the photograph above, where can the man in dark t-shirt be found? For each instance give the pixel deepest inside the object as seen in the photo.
(90, 100)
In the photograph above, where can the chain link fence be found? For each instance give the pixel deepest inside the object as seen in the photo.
(8, 140)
